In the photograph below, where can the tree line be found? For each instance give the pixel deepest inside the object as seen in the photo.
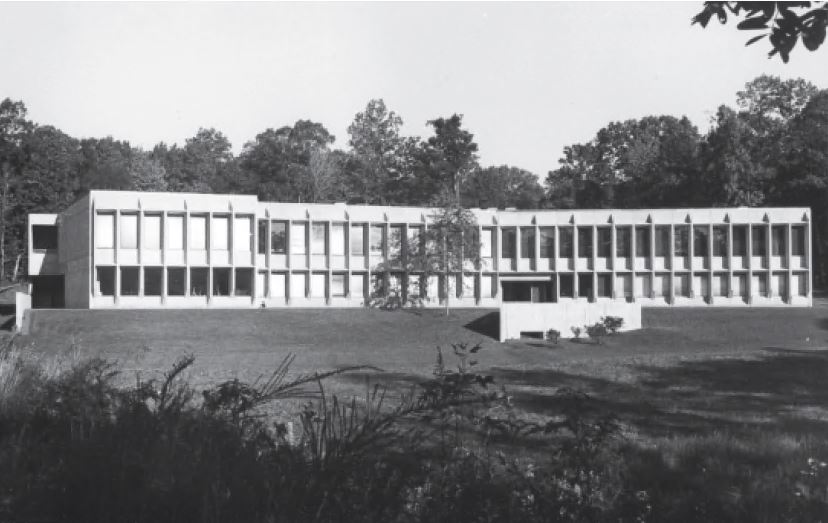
(771, 149)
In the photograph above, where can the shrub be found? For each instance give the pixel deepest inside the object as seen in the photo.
(596, 331)
(612, 323)
(553, 335)
(576, 332)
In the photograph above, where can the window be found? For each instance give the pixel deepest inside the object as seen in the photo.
(262, 237)
(643, 286)
(642, 241)
(719, 241)
(395, 238)
(780, 280)
(105, 230)
(176, 281)
(585, 288)
(152, 232)
(319, 238)
(220, 234)
(798, 241)
(778, 237)
(358, 240)
(261, 283)
(622, 242)
(129, 231)
(338, 239)
(487, 286)
(721, 285)
(527, 242)
(415, 286)
(199, 281)
(604, 242)
(662, 283)
(298, 239)
(130, 281)
(565, 247)
(760, 243)
(298, 285)
(547, 242)
(278, 285)
(175, 232)
(377, 284)
(244, 282)
(242, 233)
(376, 244)
(415, 241)
(357, 285)
(567, 286)
(318, 285)
(507, 242)
(221, 281)
(153, 281)
(681, 240)
(605, 285)
(198, 232)
(44, 237)
(681, 285)
(278, 237)
(486, 243)
(760, 285)
(623, 285)
(700, 241)
(662, 241)
(740, 240)
(584, 242)
(337, 285)
(105, 281)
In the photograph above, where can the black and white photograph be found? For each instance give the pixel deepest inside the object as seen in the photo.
(393, 262)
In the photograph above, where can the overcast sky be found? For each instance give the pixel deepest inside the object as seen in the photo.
(529, 78)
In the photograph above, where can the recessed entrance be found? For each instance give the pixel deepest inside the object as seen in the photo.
(47, 292)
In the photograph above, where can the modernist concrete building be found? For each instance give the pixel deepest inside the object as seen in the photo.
(114, 249)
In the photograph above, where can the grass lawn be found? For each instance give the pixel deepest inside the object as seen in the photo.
(720, 408)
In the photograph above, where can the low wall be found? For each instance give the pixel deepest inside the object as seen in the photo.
(22, 303)
(517, 317)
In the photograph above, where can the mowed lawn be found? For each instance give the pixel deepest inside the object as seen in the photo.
(687, 370)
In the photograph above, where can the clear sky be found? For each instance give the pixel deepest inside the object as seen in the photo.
(530, 78)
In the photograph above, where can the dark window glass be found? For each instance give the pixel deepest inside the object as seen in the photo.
(584, 242)
(760, 243)
(278, 237)
(199, 285)
(642, 241)
(604, 242)
(778, 232)
(244, 282)
(106, 281)
(605, 285)
(798, 241)
(527, 242)
(662, 246)
(507, 242)
(221, 281)
(153, 281)
(700, 240)
(622, 242)
(681, 240)
(720, 241)
(740, 240)
(129, 281)
(262, 238)
(547, 242)
(567, 286)
(176, 281)
(44, 237)
(566, 242)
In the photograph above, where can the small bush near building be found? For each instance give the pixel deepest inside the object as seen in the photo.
(576, 332)
(553, 335)
(596, 332)
(612, 323)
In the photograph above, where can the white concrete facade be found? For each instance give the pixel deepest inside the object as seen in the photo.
(121, 249)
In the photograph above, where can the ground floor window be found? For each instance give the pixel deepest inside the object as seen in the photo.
(130, 285)
(586, 287)
(760, 285)
(338, 285)
(721, 286)
(605, 285)
(681, 285)
(199, 281)
(567, 286)
(643, 286)
(244, 282)
(662, 285)
(318, 289)
(298, 285)
(623, 285)
(357, 285)
(780, 282)
(105, 281)
(153, 281)
(221, 281)
(176, 281)
(278, 287)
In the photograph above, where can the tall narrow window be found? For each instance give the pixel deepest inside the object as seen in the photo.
(376, 243)
(298, 238)
(584, 242)
(244, 282)
(507, 242)
(414, 244)
(527, 242)
(604, 242)
(220, 233)
(778, 238)
(662, 241)
(719, 241)
(642, 241)
(565, 234)
(198, 232)
(486, 242)
(105, 230)
(242, 233)
(175, 232)
(358, 240)
(319, 238)
(130, 281)
(681, 240)
(152, 232)
(739, 240)
(153, 281)
(105, 281)
(221, 281)
(278, 237)
(760, 243)
(129, 231)
(337, 285)
(547, 242)
(701, 239)
(176, 281)
(199, 281)
(338, 239)
(798, 241)
(623, 242)
(395, 238)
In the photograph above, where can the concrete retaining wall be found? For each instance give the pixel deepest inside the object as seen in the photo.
(540, 317)
(22, 303)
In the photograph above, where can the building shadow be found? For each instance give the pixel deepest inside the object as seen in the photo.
(487, 325)
(7, 316)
